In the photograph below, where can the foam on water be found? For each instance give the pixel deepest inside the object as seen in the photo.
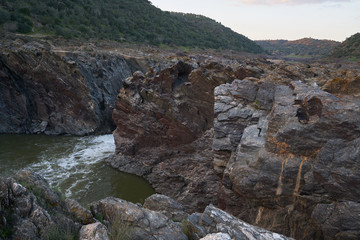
(72, 164)
(74, 160)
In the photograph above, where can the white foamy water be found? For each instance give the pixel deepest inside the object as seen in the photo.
(71, 165)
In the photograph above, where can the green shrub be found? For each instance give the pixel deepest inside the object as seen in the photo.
(119, 229)
(4, 16)
(58, 232)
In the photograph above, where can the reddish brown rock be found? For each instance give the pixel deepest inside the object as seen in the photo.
(280, 146)
(162, 122)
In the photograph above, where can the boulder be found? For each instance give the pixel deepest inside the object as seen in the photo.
(222, 225)
(135, 221)
(80, 213)
(217, 236)
(167, 206)
(94, 231)
(279, 145)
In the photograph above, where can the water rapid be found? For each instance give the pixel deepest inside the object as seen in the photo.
(74, 165)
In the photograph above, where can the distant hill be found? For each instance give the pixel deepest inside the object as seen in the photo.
(350, 48)
(125, 20)
(302, 47)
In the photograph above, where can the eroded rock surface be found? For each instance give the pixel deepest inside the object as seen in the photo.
(30, 209)
(221, 225)
(47, 90)
(283, 169)
(94, 231)
(163, 130)
(141, 223)
(280, 146)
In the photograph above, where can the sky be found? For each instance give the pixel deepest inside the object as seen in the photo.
(277, 19)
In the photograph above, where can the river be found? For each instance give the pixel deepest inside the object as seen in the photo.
(73, 165)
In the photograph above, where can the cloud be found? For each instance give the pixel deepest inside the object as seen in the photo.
(288, 2)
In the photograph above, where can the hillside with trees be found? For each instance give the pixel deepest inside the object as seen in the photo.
(303, 47)
(121, 20)
(350, 48)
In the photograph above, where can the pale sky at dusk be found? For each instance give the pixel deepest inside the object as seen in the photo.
(277, 19)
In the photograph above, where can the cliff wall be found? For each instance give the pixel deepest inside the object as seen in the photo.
(260, 139)
(48, 90)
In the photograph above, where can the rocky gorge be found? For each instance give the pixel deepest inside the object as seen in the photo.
(273, 143)
(59, 90)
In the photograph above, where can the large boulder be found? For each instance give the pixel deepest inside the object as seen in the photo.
(136, 222)
(167, 206)
(221, 225)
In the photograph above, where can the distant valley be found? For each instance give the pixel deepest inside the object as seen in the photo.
(305, 47)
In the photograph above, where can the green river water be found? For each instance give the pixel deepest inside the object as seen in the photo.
(74, 165)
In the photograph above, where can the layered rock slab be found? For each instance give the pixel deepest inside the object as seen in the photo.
(280, 166)
(30, 209)
(47, 90)
(163, 130)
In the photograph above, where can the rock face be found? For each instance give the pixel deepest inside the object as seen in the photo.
(283, 152)
(163, 121)
(29, 209)
(45, 90)
(289, 175)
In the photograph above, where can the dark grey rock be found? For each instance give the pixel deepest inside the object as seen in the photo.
(245, 89)
(80, 213)
(44, 91)
(167, 206)
(338, 220)
(142, 223)
(30, 209)
(286, 168)
(216, 220)
(94, 231)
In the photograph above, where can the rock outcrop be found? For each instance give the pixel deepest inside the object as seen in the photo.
(47, 90)
(30, 209)
(143, 223)
(218, 224)
(283, 151)
(289, 155)
(163, 129)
